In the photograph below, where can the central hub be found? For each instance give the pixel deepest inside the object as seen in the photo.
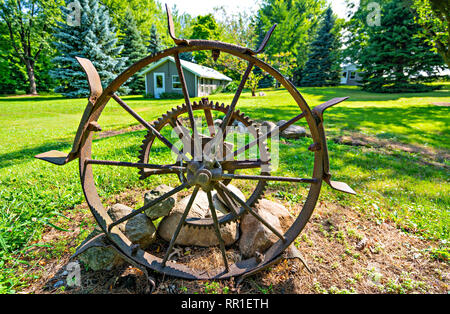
(203, 177)
(203, 174)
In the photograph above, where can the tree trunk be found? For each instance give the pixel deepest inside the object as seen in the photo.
(31, 77)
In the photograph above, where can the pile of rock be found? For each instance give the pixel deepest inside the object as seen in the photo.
(250, 235)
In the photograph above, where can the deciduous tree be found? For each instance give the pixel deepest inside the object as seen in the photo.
(29, 25)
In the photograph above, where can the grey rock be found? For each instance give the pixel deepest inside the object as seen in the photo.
(293, 131)
(58, 284)
(262, 94)
(163, 208)
(196, 236)
(139, 229)
(257, 238)
(101, 257)
(267, 126)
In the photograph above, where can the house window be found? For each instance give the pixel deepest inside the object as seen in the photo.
(344, 74)
(176, 84)
(352, 75)
(159, 81)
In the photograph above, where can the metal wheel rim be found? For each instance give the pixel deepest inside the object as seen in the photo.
(121, 242)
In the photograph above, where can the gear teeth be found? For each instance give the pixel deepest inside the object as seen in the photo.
(175, 112)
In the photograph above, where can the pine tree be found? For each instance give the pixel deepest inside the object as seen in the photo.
(95, 39)
(323, 65)
(134, 49)
(154, 44)
(395, 54)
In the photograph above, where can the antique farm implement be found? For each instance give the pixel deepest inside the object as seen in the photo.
(208, 165)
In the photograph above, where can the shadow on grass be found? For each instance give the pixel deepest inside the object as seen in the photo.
(32, 99)
(357, 94)
(21, 156)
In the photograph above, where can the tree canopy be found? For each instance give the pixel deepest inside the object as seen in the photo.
(391, 54)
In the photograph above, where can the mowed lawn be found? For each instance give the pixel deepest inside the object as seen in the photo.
(408, 187)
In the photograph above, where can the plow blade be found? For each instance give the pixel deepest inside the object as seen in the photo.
(55, 157)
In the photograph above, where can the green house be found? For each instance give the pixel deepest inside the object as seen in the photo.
(162, 77)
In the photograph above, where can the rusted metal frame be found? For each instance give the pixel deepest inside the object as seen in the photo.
(228, 117)
(93, 110)
(242, 164)
(147, 173)
(266, 178)
(194, 45)
(247, 265)
(266, 39)
(217, 230)
(178, 41)
(195, 135)
(180, 224)
(251, 211)
(148, 205)
(228, 201)
(173, 167)
(179, 128)
(264, 137)
(161, 137)
(317, 113)
(210, 122)
(183, 134)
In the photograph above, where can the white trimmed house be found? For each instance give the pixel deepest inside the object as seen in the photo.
(350, 75)
(162, 77)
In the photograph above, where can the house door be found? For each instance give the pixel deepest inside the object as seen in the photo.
(159, 82)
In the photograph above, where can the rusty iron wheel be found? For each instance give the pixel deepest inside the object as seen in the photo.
(172, 120)
(206, 173)
(206, 180)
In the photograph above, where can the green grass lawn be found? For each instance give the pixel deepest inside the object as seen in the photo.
(392, 185)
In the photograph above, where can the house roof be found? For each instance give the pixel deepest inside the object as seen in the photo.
(197, 69)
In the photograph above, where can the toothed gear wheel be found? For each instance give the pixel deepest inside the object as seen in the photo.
(170, 117)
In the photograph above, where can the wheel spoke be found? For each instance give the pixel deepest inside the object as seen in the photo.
(149, 127)
(226, 120)
(148, 205)
(266, 178)
(242, 164)
(171, 168)
(229, 202)
(183, 134)
(220, 136)
(179, 128)
(262, 138)
(210, 122)
(180, 224)
(197, 144)
(217, 229)
(251, 211)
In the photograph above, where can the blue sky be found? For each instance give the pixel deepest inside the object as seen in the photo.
(201, 7)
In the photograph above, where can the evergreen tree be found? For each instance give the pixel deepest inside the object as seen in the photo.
(154, 43)
(134, 49)
(95, 39)
(323, 65)
(393, 54)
